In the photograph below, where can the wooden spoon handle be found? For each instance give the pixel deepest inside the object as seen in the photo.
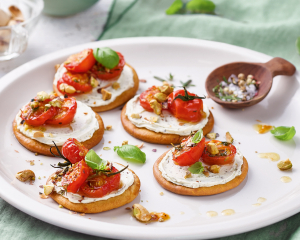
(280, 66)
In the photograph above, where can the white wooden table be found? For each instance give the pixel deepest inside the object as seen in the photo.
(53, 33)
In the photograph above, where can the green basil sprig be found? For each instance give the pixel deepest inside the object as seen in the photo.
(196, 168)
(130, 153)
(198, 136)
(284, 133)
(107, 57)
(176, 6)
(94, 161)
(187, 97)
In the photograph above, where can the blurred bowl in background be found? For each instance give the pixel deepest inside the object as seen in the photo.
(61, 8)
(14, 38)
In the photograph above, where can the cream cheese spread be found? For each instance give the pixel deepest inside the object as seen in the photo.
(127, 179)
(82, 128)
(94, 98)
(176, 174)
(166, 122)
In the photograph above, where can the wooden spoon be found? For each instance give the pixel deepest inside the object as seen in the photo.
(262, 72)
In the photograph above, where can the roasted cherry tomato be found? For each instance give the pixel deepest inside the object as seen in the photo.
(73, 150)
(80, 81)
(109, 74)
(65, 114)
(100, 186)
(80, 62)
(191, 111)
(147, 96)
(76, 176)
(37, 116)
(226, 153)
(188, 153)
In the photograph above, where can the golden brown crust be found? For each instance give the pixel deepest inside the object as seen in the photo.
(202, 191)
(159, 138)
(44, 149)
(123, 98)
(100, 206)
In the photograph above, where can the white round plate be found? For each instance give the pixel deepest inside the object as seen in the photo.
(185, 59)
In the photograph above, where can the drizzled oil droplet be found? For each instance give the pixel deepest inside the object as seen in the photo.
(262, 128)
(228, 212)
(272, 156)
(211, 213)
(285, 179)
(256, 204)
(261, 200)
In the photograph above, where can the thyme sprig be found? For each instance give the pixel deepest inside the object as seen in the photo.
(60, 165)
(187, 97)
(187, 83)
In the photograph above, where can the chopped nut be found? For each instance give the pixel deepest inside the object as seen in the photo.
(106, 95)
(241, 83)
(43, 196)
(285, 165)
(188, 174)
(211, 135)
(249, 81)
(143, 80)
(250, 76)
(106, 148)
(215, 169)
(116, 85)
(135, 115)
(42, 96)
(140, 145)
(212, 148)
(241, 76)
(48, 189)
(161, 193)
(25, 175)
(31, 162)
(56, 102)
(67, 88)
(156, 106)
(125, 142)
(206, 174)
(108, 127)
(60, 206)
(94, 82)
(4, 18)
(153, 119)
(141, 213)
(160, 97)
(166, 89)
(38, 134)
(34, 105)
(229, 138)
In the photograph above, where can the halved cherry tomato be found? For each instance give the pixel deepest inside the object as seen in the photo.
(80, 62)
(76, 176)
(100, 186)
(109, 74)
(38, 116)
(191, 111)
(73, 150)
(80, 81)
(226, 154)
(188, 152)
(66, 113)
(147, 96)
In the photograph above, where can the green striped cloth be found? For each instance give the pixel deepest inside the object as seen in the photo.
(268, 26)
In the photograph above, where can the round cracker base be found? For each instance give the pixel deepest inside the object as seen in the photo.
(159, 138)
(44, 149)
(202, 191)
(100, 206)
(120, 100)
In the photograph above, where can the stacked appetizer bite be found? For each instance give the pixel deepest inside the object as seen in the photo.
(100, 78)
(162, 115)
(88, 184)
(49, 118)
(196, 167)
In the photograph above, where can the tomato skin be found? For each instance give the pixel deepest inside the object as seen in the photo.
(38, 117)
(191, 111)
(65, 114)
(108, 184)
(76, 176)
(80, 81)
(73, 150)
(80, 62)
(217, 159)
(147, 96)
(113, 74)
(188, 155)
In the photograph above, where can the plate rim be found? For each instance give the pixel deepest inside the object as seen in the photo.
(11, 195)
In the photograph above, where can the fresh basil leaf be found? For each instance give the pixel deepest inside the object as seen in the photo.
(284, 133)
(94, 161)
(298, 44)
(196, 168)
(175, 7)
(107, 57)
(201, 6)
(130, 153)
(198, 136)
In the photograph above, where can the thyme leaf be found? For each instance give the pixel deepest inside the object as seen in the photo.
(187, 83)
(187, 97)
